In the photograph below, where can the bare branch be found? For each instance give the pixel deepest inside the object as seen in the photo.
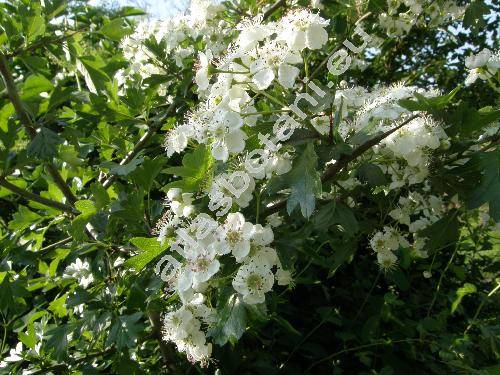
(36, 198)
(26, 121)
(274, 8)
(344, 160)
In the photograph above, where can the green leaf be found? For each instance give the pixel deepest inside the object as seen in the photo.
(371, 174)
(488, 189)
(58, 306)
(23, 219)
(442, 233)
(28, 338)
(196, 170)
(144, 176)
(232, 320)
(43, 146)
(336, 213)
(466, 120)
(431, 104)
(150, 249)
(34, 86)
(87, 210)
(35, 27)
(342, 252)
(461, 293)
(115, 29)
(304, 181)
(125, 330)
(123, 170)
(100, 195)
(128, 11)
(57, 339)
(6, 295)
(474, 15)
(54, 7)
(95, 77)
(59, 96)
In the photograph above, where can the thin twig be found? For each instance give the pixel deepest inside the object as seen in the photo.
(56, 244)
(480, 307)
(273, 9)
(345, 159)
(141, 144)
(356, 348)
(168, 353)
(441, 277)
(43, 43)
(26, 121)
(36, 198)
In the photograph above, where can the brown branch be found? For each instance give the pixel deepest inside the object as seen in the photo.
(167, 351)
(344, 160)
(26, 121)
(273, 9)
(14, 97)
(43, 43)
(55, 244)
(139, 146)
(36, 198)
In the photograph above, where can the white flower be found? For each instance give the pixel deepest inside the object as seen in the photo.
(386, 260)
(283, 277)
(202, 78)
(227, 135)
(15, 353)
(235, 236)
(80, 271)
(251, 33)
(176, 324)
(177, 140)
(274, 58)
(253, 281)
(180, 203)
(274, 220)
(200, 265)
(479, 60)
(303, 29)
(227, 188)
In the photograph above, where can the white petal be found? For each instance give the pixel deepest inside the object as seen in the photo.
(297, 42)
(185, 279)
(236, 141)
(241, 250)
(263, 79)
(220, 151)
(316, 36)
(287, 75)
(232, 120)
(201, 79)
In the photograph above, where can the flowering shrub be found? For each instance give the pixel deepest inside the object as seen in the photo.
(271, 187)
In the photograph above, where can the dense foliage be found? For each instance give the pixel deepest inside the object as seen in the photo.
(253, 186)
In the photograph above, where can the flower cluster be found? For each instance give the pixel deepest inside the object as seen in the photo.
(176, 38)
(404, 14)
(484, 65)
(385, 243)
(213, 244)
(80, 271)
(206, 249)
(263, 54)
